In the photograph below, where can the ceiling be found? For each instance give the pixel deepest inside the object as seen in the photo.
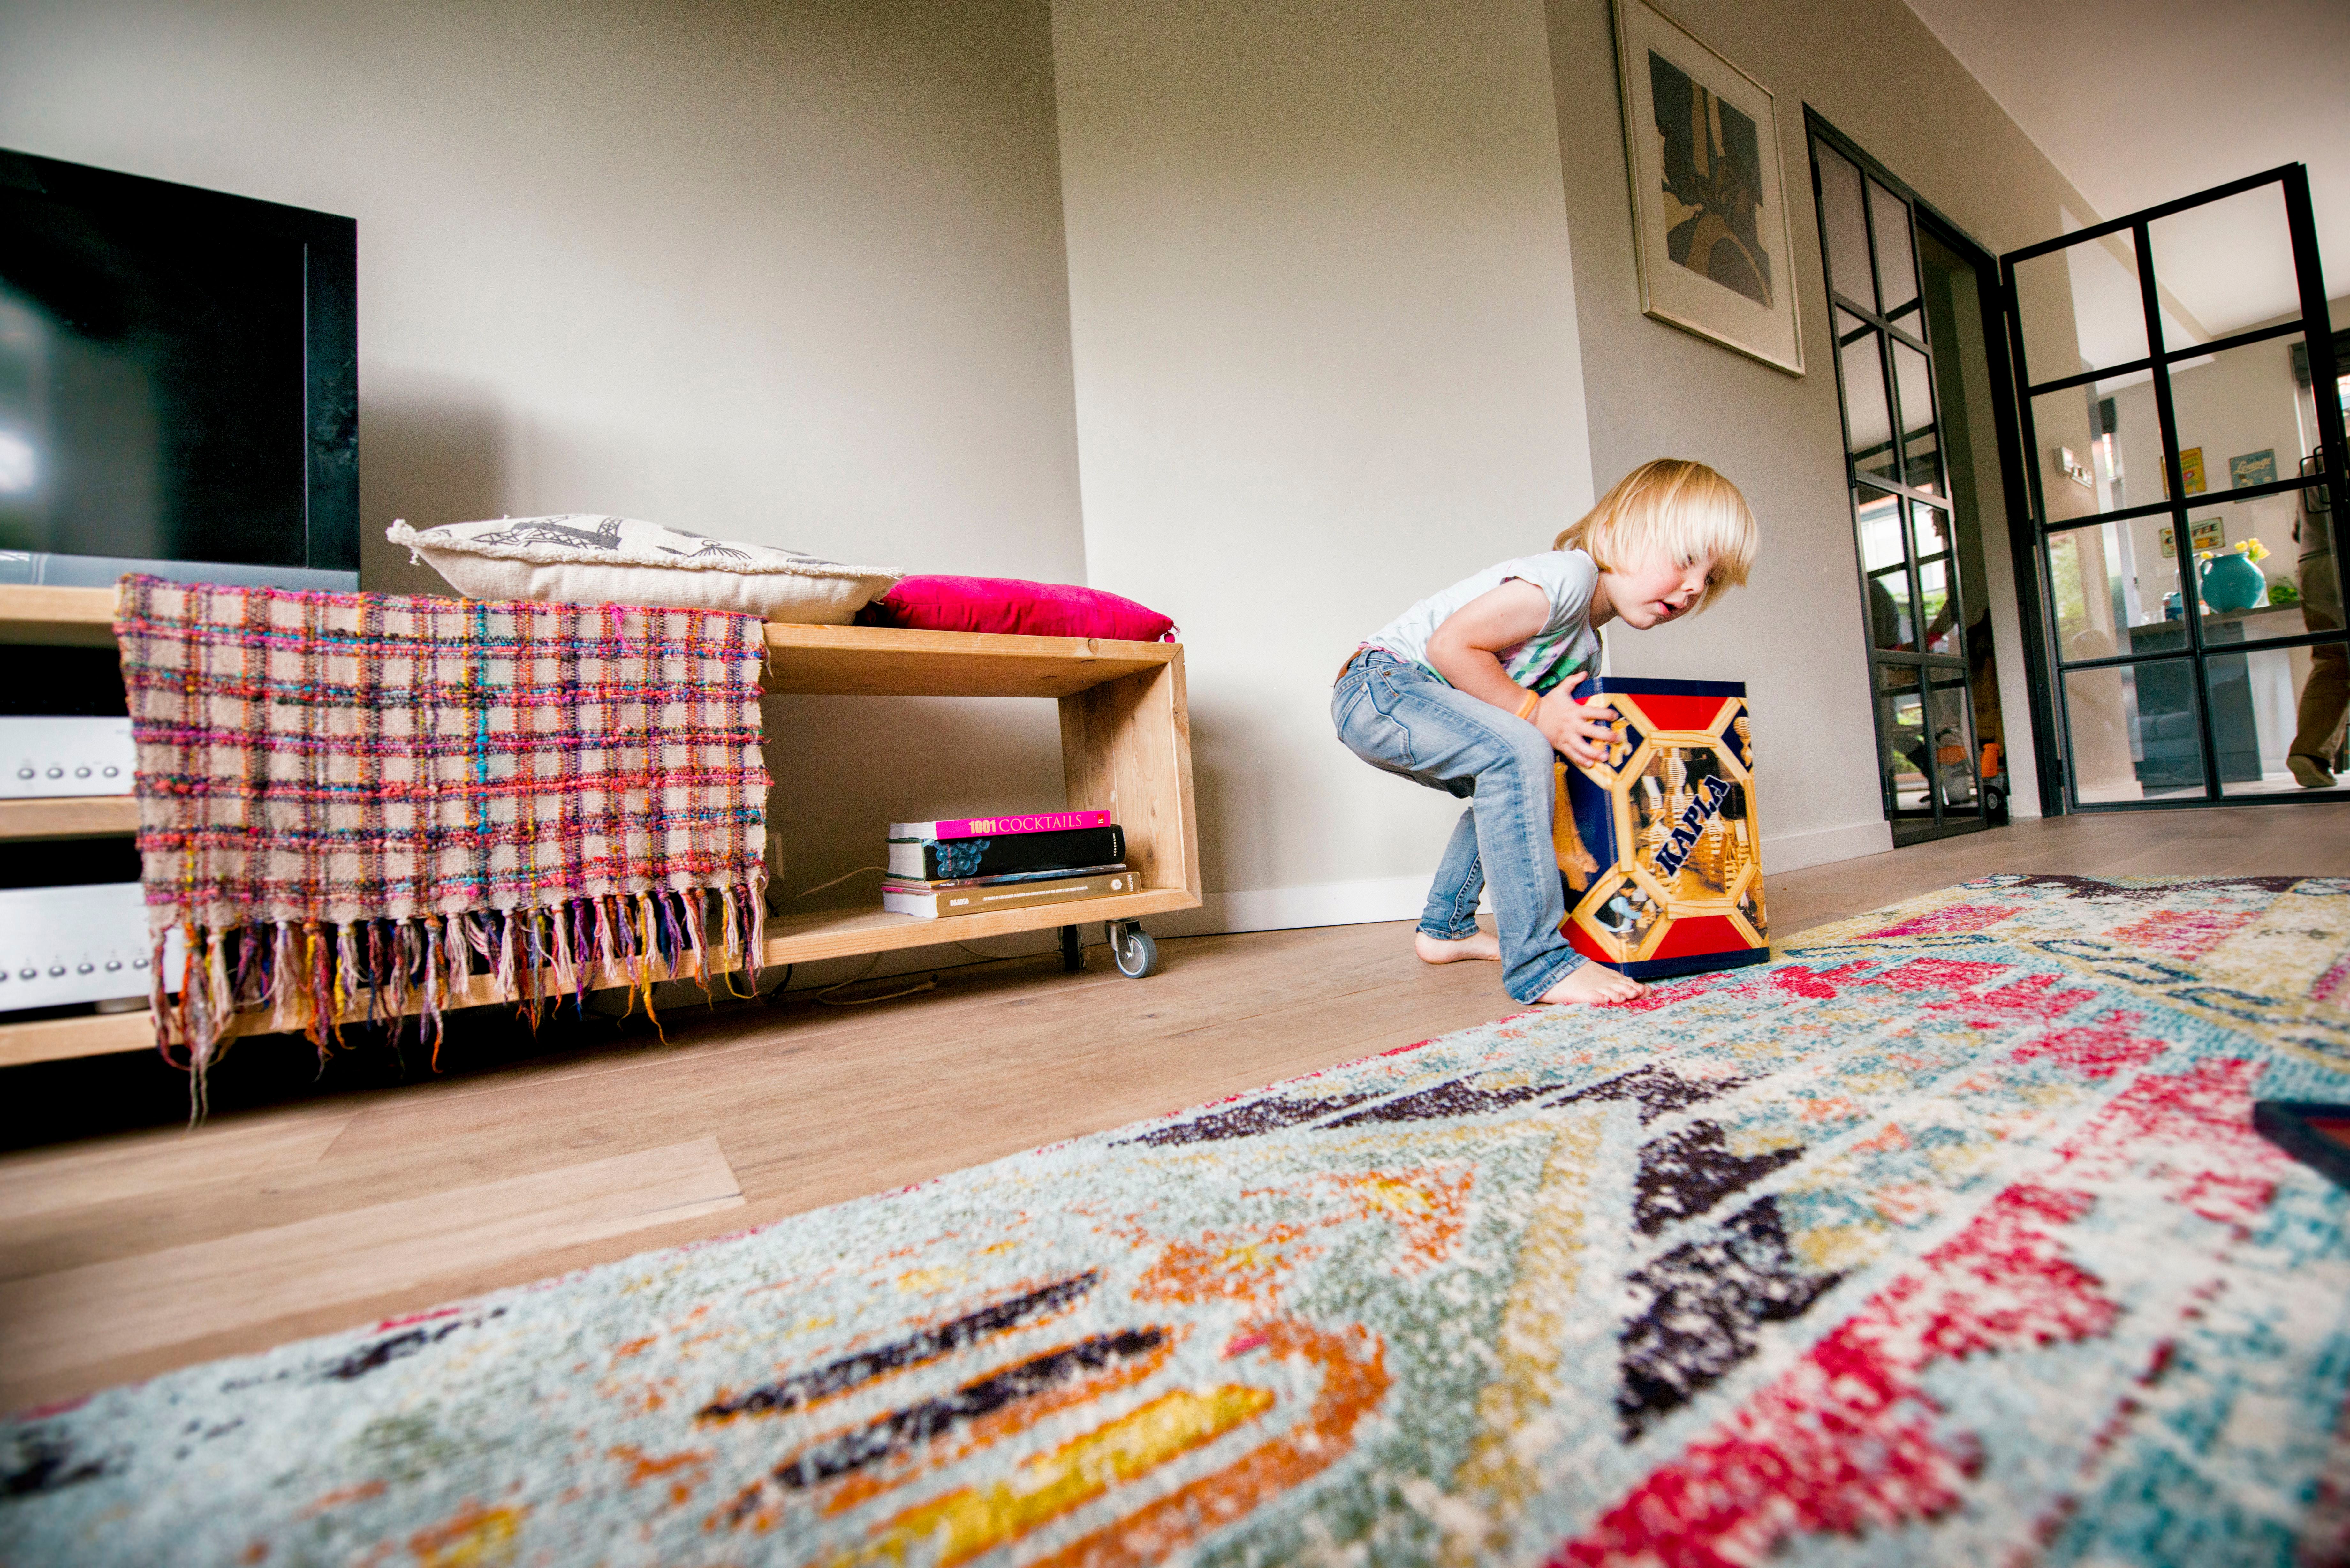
(2140, 101)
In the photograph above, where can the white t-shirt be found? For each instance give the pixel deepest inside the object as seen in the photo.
(1563, 649)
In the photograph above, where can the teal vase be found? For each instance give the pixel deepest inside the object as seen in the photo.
(2232, 582)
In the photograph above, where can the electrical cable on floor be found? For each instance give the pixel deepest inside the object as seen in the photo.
(775, 997)
(824, 996)
(836, 881)
(1007, 958)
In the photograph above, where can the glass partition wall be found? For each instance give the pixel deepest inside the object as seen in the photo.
(2180, 470)
(1930, 753)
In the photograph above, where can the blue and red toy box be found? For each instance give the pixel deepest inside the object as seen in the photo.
(1658, 844)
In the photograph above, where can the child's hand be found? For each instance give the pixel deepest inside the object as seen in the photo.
(1583, 737)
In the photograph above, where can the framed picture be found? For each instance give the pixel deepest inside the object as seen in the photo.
(2204, 533)
(2252, 468)
(1709, 194)
(2190, 472)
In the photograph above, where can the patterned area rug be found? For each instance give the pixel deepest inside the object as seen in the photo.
(1945, 1239)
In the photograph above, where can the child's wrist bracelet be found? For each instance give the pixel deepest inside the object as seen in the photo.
(1526, 709)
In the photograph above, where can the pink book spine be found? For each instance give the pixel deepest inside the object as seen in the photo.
(994, 826)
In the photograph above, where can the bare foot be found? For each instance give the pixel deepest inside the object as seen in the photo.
(1435, 950)
(1593, 982)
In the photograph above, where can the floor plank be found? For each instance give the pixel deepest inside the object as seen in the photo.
(125, 1256)
(56, 1321)
(139, 1165)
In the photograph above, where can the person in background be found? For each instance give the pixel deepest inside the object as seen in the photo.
(2325, 695)
(1468, 692)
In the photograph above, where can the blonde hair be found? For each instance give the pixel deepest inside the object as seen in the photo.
(1669, 508)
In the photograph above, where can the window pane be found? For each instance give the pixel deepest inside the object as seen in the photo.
(1897, 259)
(1892, 624)
(2081, 308)
(1930, 528)
(1939, 610)
(1913, 380)
(2240, 420)
(2270, 703)
(1879, 516)
(1868, 423)
(1841, 223)
(1884, 567)
(2224, 266)
(1953, 747)
(2251, 572)
(2114, 594)
(2134, 731)
(1907, 763)
(2100, 447)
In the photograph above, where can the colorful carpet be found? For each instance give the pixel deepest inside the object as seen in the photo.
(1946, 1239)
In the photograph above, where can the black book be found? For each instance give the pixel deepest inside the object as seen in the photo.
(961, 859)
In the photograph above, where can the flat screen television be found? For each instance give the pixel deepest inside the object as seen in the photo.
(178, 384)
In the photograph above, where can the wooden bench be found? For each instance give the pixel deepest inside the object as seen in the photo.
(1125, 748)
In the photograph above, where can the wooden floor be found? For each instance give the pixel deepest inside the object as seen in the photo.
(126, 1254)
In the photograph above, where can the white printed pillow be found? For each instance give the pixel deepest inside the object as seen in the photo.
(580, 558)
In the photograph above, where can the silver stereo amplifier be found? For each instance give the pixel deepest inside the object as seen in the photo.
(44, 757)
(82, 943)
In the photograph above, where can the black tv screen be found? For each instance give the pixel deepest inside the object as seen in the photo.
(178, 379)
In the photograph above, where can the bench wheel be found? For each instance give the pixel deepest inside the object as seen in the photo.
(1135, 953)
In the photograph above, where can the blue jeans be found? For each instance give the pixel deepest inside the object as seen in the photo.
(1399, 717)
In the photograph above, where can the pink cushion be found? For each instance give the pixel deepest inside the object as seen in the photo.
(1009, 604)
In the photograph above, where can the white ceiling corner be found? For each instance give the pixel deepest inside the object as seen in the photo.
(2140, 101)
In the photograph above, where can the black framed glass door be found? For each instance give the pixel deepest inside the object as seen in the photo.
(1922, 681)
(2180, 466)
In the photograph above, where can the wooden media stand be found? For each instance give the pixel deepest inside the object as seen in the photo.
(1125, 748)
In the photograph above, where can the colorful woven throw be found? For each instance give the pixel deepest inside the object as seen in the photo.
(346, 800)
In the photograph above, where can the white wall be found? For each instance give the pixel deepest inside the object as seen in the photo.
(791, 272)
(1321, 311)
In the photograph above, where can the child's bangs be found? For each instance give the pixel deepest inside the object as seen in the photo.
(1702, 514)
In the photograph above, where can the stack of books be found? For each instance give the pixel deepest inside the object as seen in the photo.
(971, 865)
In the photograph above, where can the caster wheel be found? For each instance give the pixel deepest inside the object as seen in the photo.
(1135, 953)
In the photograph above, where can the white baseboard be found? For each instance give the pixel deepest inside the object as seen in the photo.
(1402, 898)
(1794, 851)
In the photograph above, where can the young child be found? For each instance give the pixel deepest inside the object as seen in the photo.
(1467, 691)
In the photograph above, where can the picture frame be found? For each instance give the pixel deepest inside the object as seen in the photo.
(2190, 470)
(1710, 227)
